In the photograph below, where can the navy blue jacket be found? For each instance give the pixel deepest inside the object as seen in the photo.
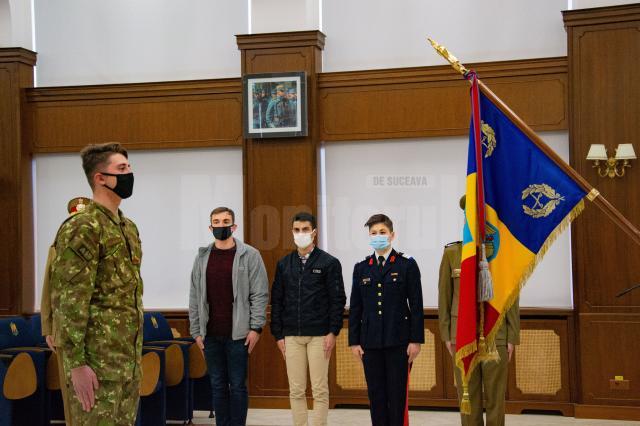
(307, 301)
(386, 305)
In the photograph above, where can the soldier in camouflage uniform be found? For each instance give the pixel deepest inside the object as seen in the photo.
(96, 296)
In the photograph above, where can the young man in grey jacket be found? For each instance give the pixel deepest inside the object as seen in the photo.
(227, 303)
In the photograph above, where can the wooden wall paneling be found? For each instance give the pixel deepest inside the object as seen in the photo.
(604, 109)
(544, 360)
(16, 215)
(268, 385)
(426, 387)
(539, 370)
(186, 114)
(573, 347)
(427, 376)
(434, 101)
(347, 386)
(609, 345)
(267, 369)
(606, 412)
(603, 46)
(280, 179)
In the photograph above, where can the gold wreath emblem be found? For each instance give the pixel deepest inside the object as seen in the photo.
(488, 138)
(14, 329)
(154, 322)
(537, 192)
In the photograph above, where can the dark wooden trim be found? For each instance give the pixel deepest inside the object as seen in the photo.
(519, 407)
(277, 402)
(494, 69)
(601, 15)
(134, 90)
(17, 55)
(281, 40)
(17, 290)
(607, 412)
(429, 313)
(573, 360)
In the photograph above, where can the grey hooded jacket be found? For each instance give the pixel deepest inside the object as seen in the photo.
(250, 292)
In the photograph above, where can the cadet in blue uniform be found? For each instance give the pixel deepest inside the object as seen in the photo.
(386, 324)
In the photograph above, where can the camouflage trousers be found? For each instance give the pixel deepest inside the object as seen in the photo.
(116, 405)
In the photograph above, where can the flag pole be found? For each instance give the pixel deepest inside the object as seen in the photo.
(592, 194)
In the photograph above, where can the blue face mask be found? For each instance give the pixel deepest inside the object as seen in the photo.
(379, 242)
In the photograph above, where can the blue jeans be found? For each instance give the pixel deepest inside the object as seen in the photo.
(227, 361)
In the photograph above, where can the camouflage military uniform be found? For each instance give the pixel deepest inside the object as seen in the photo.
(97, 310)
(488, 381)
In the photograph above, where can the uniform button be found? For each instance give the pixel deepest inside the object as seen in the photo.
(379, 303)
(379, 294)
(379, 312)
(379, 285)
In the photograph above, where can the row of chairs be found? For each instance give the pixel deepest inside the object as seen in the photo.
(175, 380)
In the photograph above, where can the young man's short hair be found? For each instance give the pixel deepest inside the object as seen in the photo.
(219, 210)
(379, 218)
(305, 217)
(96, 156)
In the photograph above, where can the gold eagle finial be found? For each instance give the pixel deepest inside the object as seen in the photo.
(455, 63)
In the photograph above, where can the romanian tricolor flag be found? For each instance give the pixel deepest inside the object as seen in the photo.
(517, 202)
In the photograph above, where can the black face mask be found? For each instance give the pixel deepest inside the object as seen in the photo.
(124, 185)
(222, 233)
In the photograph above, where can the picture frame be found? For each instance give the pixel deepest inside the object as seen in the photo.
(274, 105)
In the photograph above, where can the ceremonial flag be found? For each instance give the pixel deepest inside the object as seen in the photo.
(517, 202)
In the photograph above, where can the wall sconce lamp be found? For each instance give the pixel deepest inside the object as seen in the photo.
(612, 166)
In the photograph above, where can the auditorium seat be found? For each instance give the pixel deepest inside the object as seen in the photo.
(55, 406)
(153, 394)
(179, 387)
(26, 398)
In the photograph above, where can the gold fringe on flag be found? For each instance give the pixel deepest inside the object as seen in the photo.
(487, 351)
(575, 212)
(486, 346)
(465, 351)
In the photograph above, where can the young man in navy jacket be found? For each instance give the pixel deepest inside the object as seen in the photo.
(307, 303)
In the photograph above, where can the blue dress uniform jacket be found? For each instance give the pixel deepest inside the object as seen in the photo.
(386, 304)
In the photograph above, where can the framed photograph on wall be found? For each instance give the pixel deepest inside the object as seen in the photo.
(274, 105)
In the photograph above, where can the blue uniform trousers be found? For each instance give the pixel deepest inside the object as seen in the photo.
(386, 371)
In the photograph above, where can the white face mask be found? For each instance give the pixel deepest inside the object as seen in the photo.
(303, 240)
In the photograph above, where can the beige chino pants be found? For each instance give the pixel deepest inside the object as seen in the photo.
(303, 351)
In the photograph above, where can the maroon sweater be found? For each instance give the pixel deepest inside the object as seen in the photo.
(220, 292)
